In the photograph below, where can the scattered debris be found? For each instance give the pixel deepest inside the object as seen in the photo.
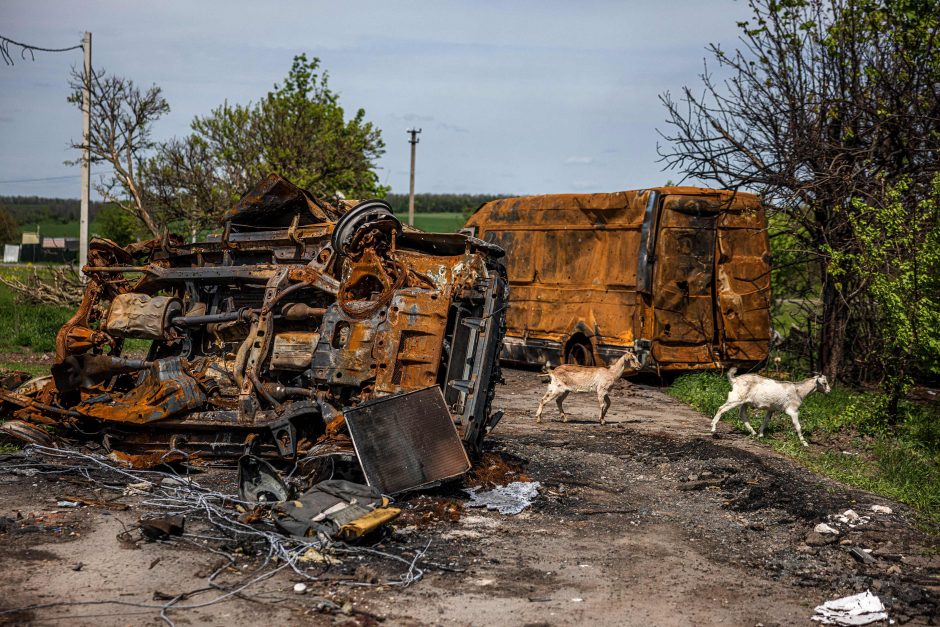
(824, 528)
(882, 509)
(314, 556)
(849, 517)
(258, 481)
(300, 588)
(862, 555)
(859, 609)
(162, 528)
(112, 505)
(815, 538)
(507, 499)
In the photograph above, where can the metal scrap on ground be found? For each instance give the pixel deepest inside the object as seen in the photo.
(265, 337)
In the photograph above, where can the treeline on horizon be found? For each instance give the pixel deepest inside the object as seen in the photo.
(32, 209)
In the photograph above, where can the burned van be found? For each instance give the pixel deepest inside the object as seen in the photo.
(680, 274)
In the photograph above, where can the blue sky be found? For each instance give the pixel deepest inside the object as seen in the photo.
(513, 97)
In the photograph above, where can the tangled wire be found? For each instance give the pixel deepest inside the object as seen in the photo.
(26, 49)
(172, 494)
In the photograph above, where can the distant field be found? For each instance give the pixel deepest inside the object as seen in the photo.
(435, 222)
(51, 228)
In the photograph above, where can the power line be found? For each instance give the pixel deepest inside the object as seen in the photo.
(5, 43)
(44, 178)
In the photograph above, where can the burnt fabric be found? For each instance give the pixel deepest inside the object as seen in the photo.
(326, 507)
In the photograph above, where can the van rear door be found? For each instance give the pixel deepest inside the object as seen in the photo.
(683, 286)
(743, 283)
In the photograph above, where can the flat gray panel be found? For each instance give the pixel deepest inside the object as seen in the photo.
(407, 441)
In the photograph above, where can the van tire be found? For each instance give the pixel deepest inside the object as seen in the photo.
(579, 353)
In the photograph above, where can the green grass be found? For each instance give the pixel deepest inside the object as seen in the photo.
(851, 440)
(35, 370)
(52, 228)
(26, 326)
(435, 222)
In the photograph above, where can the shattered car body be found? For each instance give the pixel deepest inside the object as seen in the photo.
(265, 335)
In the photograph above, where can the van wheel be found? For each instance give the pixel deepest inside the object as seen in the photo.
(580, 354)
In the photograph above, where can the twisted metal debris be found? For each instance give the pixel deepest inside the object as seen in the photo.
(218, 520)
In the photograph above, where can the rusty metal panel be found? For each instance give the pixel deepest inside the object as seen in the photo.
(407, 441)
(408, 349)
(683, 306)
(743, 285)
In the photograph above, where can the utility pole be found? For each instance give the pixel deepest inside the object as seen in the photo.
(411, 194)
(86, 159)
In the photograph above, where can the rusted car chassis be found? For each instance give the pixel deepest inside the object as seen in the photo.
(265, 336)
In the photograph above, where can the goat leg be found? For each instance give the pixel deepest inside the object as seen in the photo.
(744, 418)
(795, 417)
(604, 401)
(764, 424)
(720, 411)
(558, 401)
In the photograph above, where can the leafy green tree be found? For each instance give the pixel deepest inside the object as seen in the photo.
(116, 224)
(298, 130)
(899, 254)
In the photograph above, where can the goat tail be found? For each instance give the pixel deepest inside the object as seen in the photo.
(730, 374)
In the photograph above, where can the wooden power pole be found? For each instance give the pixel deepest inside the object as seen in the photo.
(86, 158)
(411, 194)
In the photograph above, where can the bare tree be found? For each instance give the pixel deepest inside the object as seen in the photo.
(184, 182)
(825, 102)
(122, 116)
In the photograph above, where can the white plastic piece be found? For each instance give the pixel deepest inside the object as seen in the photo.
(859, 609)
(824, 528)
(506, 499)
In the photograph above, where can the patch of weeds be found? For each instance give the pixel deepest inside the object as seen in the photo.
(27, 325)
(705, 391)
(855, 443)
(35, 370)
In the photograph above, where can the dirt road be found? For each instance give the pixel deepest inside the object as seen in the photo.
(644, 521)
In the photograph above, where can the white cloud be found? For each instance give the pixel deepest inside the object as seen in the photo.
(579, 160)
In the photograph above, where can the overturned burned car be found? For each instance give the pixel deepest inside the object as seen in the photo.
(305, 327)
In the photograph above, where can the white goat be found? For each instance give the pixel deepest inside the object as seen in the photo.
(571, 378)
(771, 395)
